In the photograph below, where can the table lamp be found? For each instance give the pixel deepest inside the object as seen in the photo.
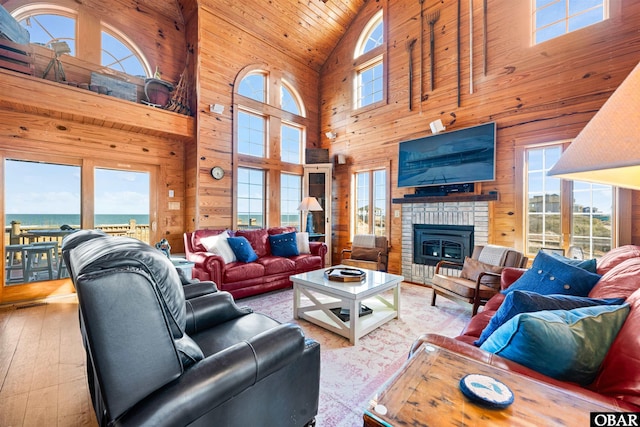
(309, 204)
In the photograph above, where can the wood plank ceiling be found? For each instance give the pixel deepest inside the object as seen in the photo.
(305, 30)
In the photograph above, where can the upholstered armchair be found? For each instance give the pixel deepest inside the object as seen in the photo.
(479, 278)
(367, 251)
(158, 359)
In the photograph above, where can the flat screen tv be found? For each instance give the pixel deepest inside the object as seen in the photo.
(456, 157)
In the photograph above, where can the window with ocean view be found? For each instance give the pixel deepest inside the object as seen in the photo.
(290, 197)
(121, 198)
(43, 204)
(250, 198)
(41, 201)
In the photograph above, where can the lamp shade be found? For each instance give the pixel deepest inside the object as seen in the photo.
(607, 150)
(309, 204)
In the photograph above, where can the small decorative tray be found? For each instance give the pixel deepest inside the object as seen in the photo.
(487, 391)
(345, 274)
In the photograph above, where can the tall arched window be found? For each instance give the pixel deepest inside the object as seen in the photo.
(369, 81)
(270, 134)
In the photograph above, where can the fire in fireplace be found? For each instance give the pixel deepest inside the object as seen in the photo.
(435, 242)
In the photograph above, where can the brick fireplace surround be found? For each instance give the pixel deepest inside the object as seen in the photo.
(475, 213)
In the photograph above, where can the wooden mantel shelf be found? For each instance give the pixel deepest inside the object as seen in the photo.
(27, 94)
(459, 197)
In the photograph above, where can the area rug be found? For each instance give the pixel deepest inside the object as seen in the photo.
(351, 375)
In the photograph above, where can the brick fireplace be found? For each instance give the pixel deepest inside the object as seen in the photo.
(473, 214)
(433, 243)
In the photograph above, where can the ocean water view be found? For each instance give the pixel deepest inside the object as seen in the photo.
(56, 220)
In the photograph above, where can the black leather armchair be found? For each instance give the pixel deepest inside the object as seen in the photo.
(192, 287)
(159, 359)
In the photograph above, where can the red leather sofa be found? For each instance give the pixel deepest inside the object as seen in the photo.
(241, 279)
(618, 380)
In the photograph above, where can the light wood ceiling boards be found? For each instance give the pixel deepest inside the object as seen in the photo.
(305, 30)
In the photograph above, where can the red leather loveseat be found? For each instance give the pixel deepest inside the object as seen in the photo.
(618, 379)
(265, 274)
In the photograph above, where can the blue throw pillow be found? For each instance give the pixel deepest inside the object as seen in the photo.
(587, 264)
(242, 249)
(567, 345)
(549, 275)
(518, 302)
(284, 244)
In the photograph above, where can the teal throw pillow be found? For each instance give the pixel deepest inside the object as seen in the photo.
(587, 264)
(242, 249)
(284, 244)
(568, 345)
(548, 275)
(518, 302)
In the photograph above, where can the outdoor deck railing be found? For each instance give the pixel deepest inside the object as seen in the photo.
(36, 234)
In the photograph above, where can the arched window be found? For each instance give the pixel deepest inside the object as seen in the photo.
(290, 100)
(369, 81)
(270, 134)
(120, 54)
(52, 25)
(254, 86)
(372, 36)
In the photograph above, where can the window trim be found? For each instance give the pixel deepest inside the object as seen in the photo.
(376, 19)
(364, 60)
(276, 117)
(621, 210)
(370, 167)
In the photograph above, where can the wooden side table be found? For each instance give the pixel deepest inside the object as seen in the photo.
(426, 392)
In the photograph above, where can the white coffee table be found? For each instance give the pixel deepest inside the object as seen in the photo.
(314, 296)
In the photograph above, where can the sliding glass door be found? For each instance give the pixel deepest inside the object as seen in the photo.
(121, 202)
(42, 205)
(45, 200)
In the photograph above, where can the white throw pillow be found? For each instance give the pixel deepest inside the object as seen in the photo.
(302, 240)
(218, 245)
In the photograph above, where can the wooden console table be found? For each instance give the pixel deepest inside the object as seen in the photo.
(426, 392)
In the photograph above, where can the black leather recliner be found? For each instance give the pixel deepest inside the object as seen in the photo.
(159, 359)
(192, 287)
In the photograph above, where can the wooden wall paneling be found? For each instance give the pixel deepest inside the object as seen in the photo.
(535, 94)
(225, 49)
(192, 154)
(88, 37)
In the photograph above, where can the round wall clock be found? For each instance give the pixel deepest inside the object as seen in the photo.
(217, 172)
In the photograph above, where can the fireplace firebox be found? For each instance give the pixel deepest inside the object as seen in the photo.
(435, 242)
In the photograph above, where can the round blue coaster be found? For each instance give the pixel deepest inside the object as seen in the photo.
(486, 391)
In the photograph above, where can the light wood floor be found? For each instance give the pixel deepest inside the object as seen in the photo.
(42, 366)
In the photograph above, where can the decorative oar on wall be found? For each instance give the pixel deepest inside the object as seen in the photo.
(458, 54)
(410, 45)
(432, 18)
(421, 51)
